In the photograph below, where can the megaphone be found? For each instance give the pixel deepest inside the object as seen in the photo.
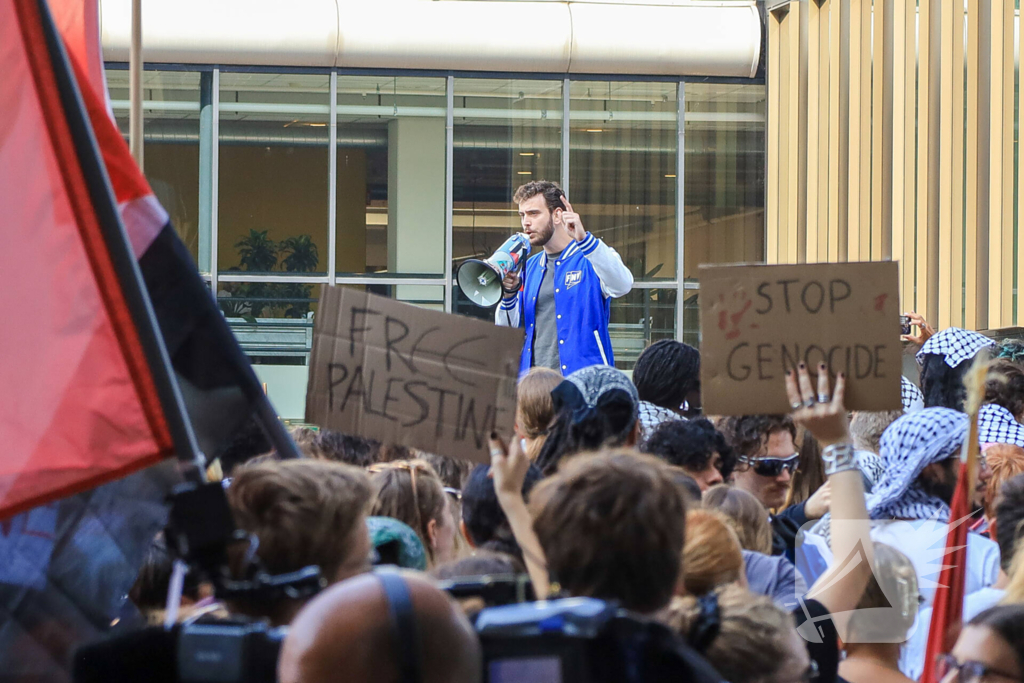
(480, 281)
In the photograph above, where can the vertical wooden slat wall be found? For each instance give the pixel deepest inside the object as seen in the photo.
(891, 135)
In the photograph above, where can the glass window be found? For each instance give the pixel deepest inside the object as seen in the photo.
(725, 166)
(507, 133)
(171, 150)
(638, 319)
(273, 323)
(391, 175)
(273, 190)
(622, 169)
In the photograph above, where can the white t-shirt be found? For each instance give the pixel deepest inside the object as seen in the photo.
(924, 543)
(912, 655)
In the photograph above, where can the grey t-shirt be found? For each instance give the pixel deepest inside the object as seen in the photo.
(545, 336)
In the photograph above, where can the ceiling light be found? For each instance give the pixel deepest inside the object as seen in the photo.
(526, 154)
(524, 172)
(594, 130)
(670, 175)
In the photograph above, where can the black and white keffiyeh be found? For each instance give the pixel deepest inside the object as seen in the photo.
(910, 444)
(996, 424)
(955, 344)
(651, 416)
(913, 399)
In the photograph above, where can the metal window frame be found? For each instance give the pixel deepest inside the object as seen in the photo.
(679, 283)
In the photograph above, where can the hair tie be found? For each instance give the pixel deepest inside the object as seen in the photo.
(707, 625)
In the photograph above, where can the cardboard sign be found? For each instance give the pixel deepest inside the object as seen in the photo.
(391, 371)
(759, 321)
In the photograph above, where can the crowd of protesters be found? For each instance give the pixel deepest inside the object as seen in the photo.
(734, 532)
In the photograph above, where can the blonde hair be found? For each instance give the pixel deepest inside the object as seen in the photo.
(711, 555)
(749, 517)
(534, 407)
(411, 492)
(753, 641)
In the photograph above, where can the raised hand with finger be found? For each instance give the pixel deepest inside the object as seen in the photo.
(572, 221)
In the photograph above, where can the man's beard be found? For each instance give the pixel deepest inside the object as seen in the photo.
(545, 237)
(944, 489)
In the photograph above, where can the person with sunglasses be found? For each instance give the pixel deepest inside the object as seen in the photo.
(767, 457)
(990, 649)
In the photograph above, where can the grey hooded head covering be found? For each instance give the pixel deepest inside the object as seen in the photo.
(595, 380)
(910, 444)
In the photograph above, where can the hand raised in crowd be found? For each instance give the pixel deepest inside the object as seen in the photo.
(508, 466)
(925, 330)
(573, 222)
(822, 413)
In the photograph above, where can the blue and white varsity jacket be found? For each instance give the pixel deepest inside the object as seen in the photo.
(588, 275)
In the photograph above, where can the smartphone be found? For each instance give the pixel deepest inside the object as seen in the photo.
(904, 324)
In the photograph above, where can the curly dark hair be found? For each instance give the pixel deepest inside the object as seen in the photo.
(748, 434)
(552, 193)
(690, 445)
(1005, 386)
(666, 372)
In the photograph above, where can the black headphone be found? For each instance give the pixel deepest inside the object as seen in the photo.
(403, 621)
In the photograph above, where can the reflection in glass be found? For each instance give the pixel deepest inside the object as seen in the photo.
(391, 172)
(507, 133)
(622, 169)
(638, 319)
(171, 153)
(273, 191)
(725, 166)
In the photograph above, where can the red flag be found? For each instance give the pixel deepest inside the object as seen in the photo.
(78, 22)
(947, 607)
(78, 402)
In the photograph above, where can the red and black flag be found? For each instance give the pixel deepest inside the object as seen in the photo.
(113, 357)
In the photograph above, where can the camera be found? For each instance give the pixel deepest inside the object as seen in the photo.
(218, 651)
(904, 324)
(583, 640)
(493, 590)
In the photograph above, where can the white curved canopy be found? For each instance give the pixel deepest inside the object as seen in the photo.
(680, 38)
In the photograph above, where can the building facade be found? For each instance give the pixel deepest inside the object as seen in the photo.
(384, 167)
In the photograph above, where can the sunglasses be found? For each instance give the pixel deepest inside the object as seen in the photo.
(772, 467)
(966, 672)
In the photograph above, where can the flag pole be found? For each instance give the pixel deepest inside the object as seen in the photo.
(135, 140)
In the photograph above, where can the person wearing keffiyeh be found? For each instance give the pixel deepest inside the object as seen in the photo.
(595, 407)
(910, 395)
(944, 360)
(910, 503)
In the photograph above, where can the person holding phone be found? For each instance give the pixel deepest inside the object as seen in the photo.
(563, 298)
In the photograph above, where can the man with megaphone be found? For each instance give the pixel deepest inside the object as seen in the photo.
(563, 297)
